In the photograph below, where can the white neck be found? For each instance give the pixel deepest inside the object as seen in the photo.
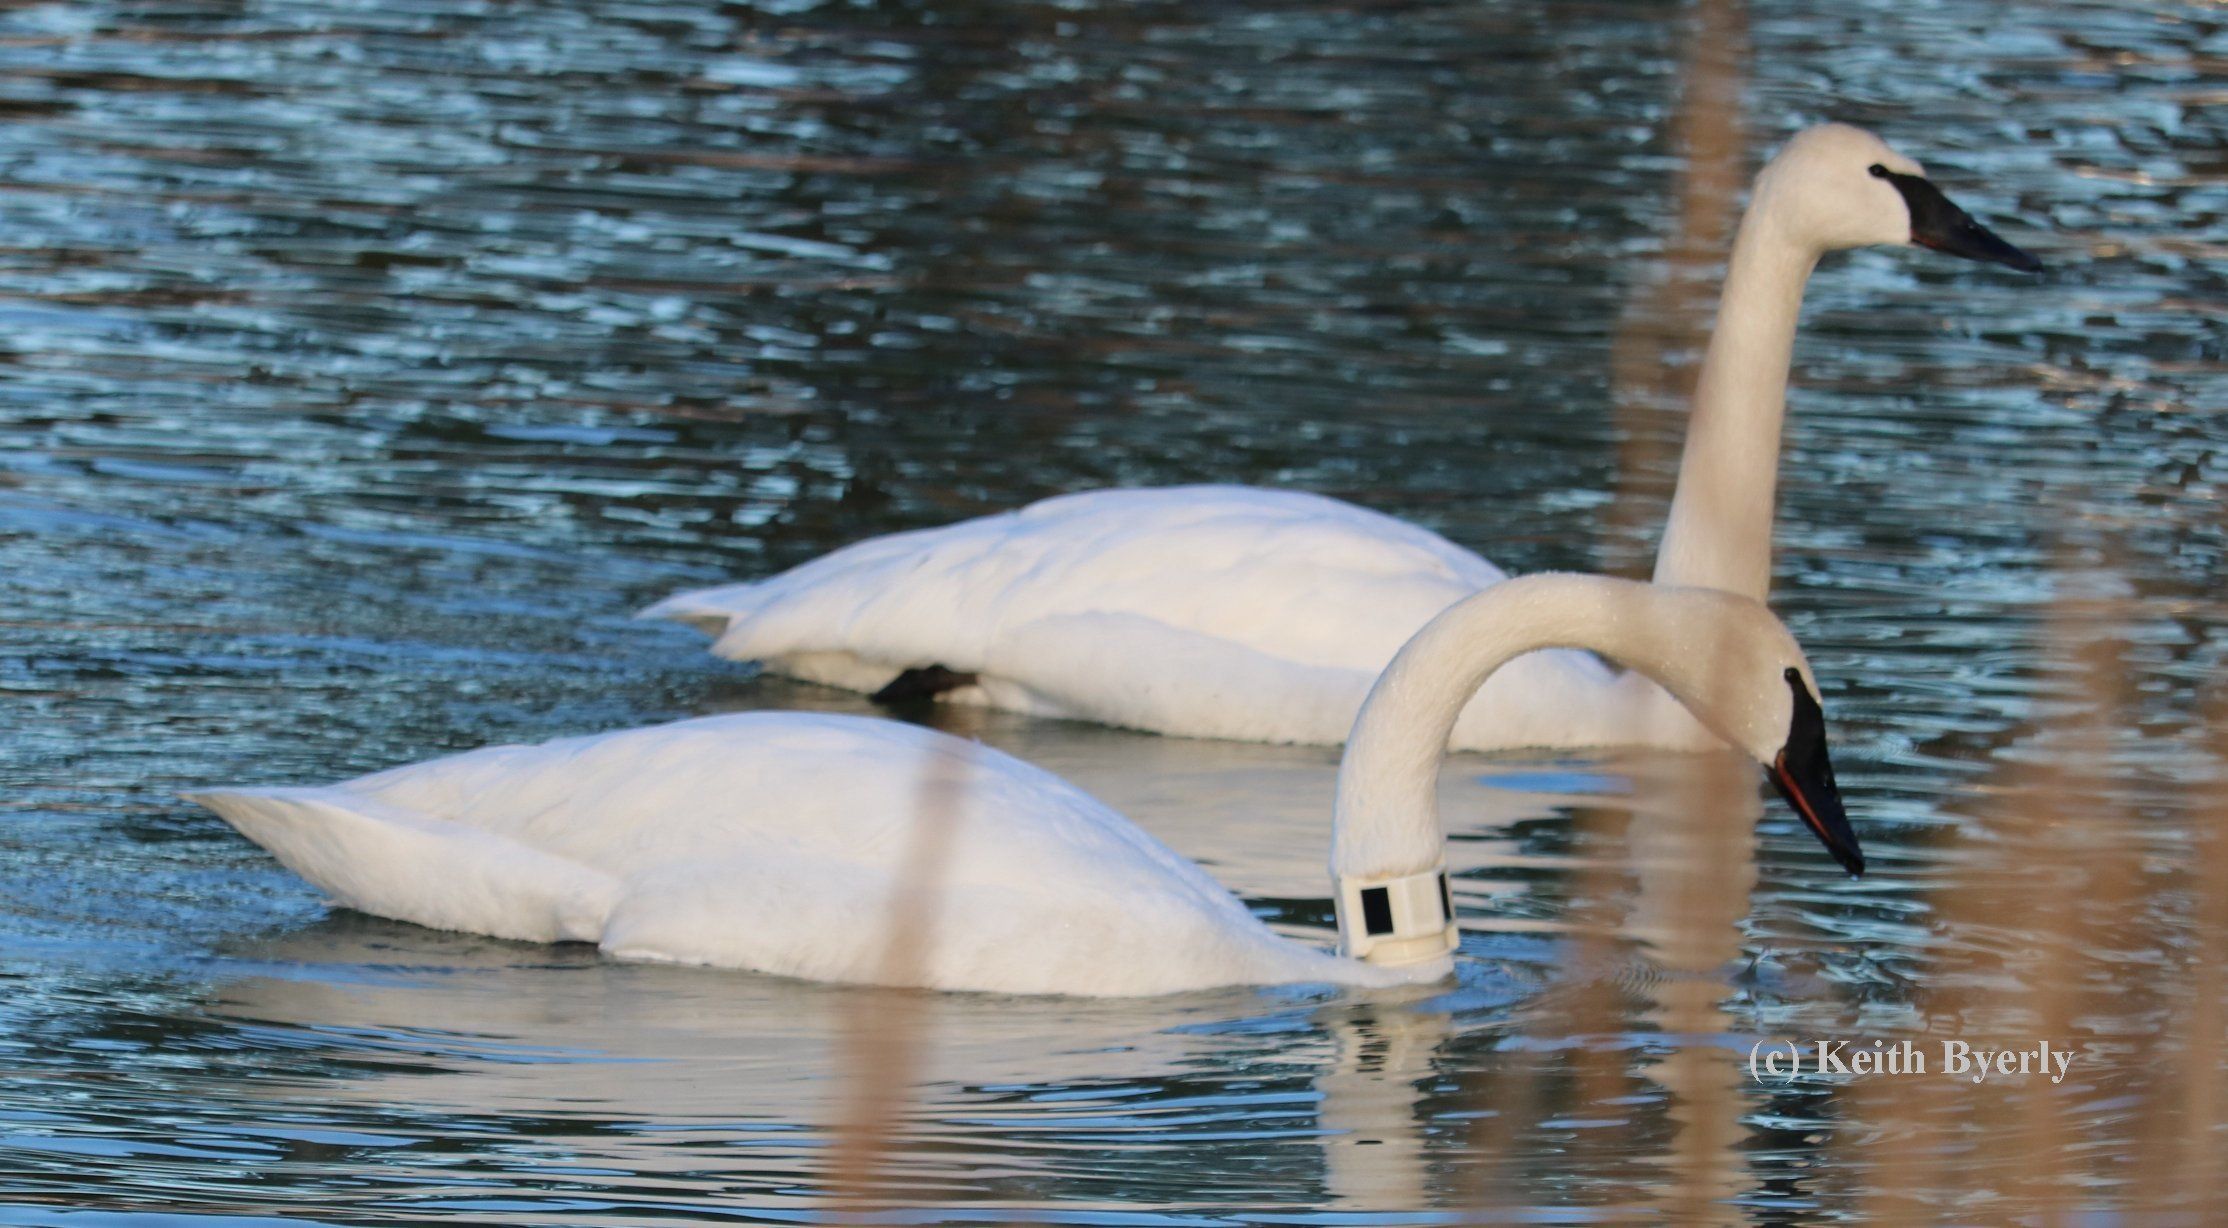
(1719, 534)
(1386, 824)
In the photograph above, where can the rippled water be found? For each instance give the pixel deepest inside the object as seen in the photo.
(365, 366)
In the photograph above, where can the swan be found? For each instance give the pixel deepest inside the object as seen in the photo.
(1264, 615)
(803, 844)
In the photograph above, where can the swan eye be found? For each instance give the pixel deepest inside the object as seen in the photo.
(1793, 674)
(1879, 171)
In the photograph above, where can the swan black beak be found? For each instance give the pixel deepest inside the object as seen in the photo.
(1803, 774)
(1938, 224)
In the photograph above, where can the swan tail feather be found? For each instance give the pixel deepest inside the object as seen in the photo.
(709, 610)
(395, 863)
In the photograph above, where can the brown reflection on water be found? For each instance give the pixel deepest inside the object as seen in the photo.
(1694, 849)
(1665, 324)
(1621, 1071)
(887, 1026)
(2087, 907)
(1691, 830)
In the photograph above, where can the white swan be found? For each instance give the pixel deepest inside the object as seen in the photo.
(1219, 611)
(800, 843)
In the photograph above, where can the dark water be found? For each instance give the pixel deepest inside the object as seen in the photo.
(365, 366)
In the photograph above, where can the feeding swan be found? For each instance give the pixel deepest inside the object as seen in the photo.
(795, 843)
(1230, 612)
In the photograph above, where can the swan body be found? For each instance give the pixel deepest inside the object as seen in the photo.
(1205, 611)
(820, 846)
(777, 841)
(1222, 611)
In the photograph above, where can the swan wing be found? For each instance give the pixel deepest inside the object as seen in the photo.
(1297, 576)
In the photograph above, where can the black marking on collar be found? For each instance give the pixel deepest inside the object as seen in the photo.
(1446, 899)
(1377, 911)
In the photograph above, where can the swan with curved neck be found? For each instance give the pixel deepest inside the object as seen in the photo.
(1264, 615)
(799, 844)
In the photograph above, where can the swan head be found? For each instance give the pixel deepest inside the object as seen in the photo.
(1839, 186)
(1736, 667)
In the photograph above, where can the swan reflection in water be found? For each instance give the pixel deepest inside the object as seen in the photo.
(659, 1081)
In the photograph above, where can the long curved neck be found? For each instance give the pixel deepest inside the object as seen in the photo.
(1719, 534)
(1387, 820)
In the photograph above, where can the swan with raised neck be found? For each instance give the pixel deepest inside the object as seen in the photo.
(1264, 615)
(793, 843)
(1833, 187)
